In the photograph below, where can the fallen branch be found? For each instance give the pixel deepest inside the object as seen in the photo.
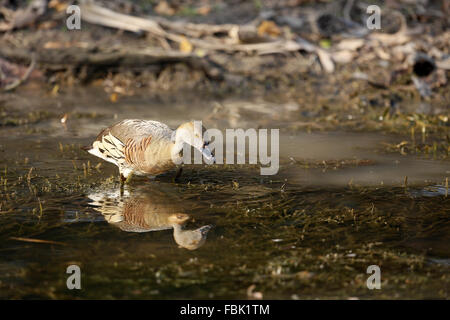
(95, 14)
(24, 78)
(56, 59)
(198, 30)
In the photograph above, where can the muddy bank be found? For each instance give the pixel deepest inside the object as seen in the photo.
(290, 49)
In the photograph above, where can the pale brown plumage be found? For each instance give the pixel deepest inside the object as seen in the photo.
(146, 147)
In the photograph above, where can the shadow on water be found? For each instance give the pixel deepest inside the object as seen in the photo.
(338, 205)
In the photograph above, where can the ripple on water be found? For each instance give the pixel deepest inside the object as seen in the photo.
(431, 191)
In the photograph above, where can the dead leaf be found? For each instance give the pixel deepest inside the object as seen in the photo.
(53, 45)
(443, 64)
(164, 8)
(55, 90)
(200, 53)
(58, 5)
(185, 46)
(344, 56)
(390, 39)
(268, 28)
(350, 44)
(113, 97)
(119, 90)
(383, 55)
(205, 10)
(46, 25)
(325, 60)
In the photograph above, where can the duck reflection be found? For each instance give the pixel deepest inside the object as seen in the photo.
(148, 210)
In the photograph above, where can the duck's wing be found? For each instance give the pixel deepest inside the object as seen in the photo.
(121, 142)
(137, 129)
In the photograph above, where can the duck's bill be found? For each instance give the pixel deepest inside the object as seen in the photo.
(207, 156)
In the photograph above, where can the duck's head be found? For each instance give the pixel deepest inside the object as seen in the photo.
(195, 134)
(188, 239)
(178, 219)
(191, 239)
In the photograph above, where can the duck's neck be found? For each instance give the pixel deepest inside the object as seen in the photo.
(176, 155)
(177, 229)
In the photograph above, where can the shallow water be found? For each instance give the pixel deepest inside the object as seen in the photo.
(338, 204)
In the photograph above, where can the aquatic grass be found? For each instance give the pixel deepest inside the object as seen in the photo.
(329, 260)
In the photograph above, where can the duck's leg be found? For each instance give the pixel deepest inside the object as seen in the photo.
(178, 175)
(122, 185)
(125, 176)
(128, 179)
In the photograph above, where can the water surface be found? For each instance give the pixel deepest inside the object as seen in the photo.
(338, 204)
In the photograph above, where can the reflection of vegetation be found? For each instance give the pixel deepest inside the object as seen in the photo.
(421, 133)
(14, 119)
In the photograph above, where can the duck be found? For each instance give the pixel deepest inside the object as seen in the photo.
(148, 147)
(146, 211)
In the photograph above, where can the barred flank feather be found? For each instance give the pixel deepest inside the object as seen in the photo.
(138, 146)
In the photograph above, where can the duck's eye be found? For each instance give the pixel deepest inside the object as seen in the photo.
(206, 143)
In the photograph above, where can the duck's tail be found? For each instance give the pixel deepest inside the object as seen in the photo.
(86, 148)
